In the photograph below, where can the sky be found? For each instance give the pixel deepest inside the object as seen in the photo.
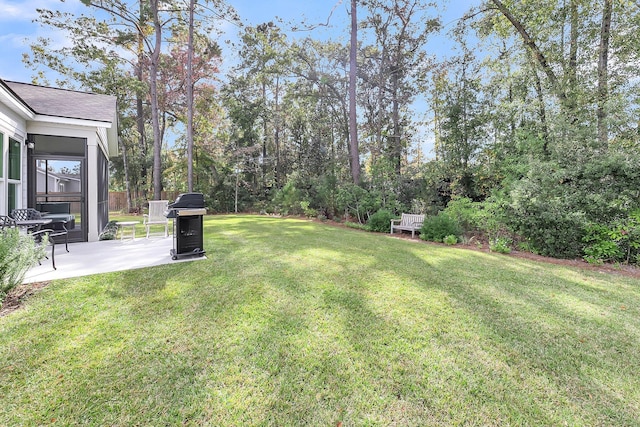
(17, 30)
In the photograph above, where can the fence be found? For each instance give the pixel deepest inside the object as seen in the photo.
(118, 200)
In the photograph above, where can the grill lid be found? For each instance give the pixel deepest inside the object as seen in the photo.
(188, 200)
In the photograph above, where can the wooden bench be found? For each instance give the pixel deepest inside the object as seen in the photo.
(408, 222)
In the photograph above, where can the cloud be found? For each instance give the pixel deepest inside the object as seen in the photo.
(13, 40)
(26, 10)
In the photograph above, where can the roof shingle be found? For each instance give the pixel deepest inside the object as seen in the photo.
(66, 103)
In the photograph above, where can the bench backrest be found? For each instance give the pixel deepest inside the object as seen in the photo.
(411, 219)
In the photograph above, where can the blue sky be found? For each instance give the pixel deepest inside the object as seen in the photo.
(17, 28)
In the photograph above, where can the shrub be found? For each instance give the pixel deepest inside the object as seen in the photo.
(287, 199)
(436, 228)
(616, 242)
(109, 232)
(464, 211)
(450, 240)
(501, 245)
(18, 252)
(546, 219)
(308, 212)
(380, 221)
(357, 202)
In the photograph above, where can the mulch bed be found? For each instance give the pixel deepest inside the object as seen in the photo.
(622, 269)
(16, 297)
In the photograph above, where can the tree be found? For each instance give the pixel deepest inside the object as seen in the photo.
(190, 47)
(564, 55)
(396, 64)
(603, 73)
(353, 115)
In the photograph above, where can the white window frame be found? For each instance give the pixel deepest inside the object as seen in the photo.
(16, 182)
(4, 200)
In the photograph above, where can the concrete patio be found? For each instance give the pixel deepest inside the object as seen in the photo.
(105, 256)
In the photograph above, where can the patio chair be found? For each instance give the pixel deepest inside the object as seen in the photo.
(57, 230)
(6, 222)
(156, 216)
(38, 236)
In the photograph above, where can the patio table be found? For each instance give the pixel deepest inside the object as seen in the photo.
(34, 224)
(122, 226)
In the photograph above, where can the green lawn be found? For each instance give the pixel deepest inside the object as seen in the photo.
(292, 323)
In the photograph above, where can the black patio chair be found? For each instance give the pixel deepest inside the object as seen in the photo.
(28, 214)
(6, 222)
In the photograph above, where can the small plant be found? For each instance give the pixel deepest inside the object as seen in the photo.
(109, 232)
(501, 245)
(18, 252)
(601, 245)
(380, 221)
(308, 212)
(450, 240)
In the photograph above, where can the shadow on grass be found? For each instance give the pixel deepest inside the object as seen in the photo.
(294, 322)
(556, 332)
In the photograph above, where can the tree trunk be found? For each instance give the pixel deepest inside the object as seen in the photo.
(125, 167)
(542, 112)
(395, 118)
(153, 79)
(603, 74)
(142, 140)
(353, 119)
(531, 44)
(192, 5)
(276, 136)
(572, 70)
(265, 129)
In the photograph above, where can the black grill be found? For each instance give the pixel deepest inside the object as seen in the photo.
(187, 212)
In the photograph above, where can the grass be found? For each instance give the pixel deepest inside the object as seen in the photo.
(290, 322)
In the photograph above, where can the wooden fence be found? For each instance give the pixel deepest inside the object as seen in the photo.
(118, 200)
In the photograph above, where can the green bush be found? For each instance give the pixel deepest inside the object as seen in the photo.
(501, 245)
(545, 218)
(380, 221)
(18, 252)
(450, 240)
(599, 245)
(109, 232)
(556, 203)
(464, 211)
(616, 242)
(436, 228)
(308, 212)
(287, 199)
(357, 202)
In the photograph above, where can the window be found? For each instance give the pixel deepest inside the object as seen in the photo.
(1, 157)
(3, 200)
(13, 197)
(14, 159)
(13, 175)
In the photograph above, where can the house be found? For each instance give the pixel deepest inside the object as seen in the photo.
(55, 146)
